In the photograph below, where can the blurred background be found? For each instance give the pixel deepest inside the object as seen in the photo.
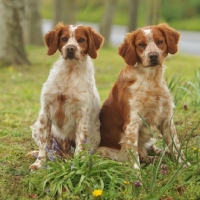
(26, 21)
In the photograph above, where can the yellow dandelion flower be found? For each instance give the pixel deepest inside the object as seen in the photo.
(126, 182)
(97, 193)
(194, 148)
(124, 192)
(10, 68)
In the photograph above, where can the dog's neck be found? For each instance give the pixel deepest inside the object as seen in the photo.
(153, 75)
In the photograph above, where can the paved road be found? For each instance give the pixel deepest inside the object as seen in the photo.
(189, 42)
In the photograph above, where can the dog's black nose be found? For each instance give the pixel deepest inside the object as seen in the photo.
(153, 56)
(70, 49)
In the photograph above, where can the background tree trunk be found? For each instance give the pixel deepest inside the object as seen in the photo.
(32, 23)
(153, 12)
(107, 19)
(65, 11)
(12, 50)
(132, 25)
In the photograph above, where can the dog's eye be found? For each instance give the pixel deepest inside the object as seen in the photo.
(159, 42)
(142, 44)
(64, 39)
(80, 40)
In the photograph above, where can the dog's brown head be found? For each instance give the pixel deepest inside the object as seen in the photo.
(73, 41)
(150, 45)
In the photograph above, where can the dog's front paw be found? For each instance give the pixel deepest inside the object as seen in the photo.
(187, 165)
(37, 164)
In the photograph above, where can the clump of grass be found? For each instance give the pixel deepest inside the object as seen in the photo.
(174, 85)
(89, 176)
(85, 176)
(193, 90)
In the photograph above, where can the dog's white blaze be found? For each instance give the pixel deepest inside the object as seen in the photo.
(151, 46)
(149, 36)
(72, 39)
(147, 31)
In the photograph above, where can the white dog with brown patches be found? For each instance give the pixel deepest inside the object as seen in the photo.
(140, 99)
(70, 102)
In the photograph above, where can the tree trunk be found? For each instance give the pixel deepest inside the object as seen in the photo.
(65, 11)
(153, 12)
(132, 25)
(107, 20)
(12, 50)
(32, 23)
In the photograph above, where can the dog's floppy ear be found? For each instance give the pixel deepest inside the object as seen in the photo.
(127, 49)
(52, 39)
(95, 40)
(171, 36)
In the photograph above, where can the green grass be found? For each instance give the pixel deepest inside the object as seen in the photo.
(19, 107)
(191, 24)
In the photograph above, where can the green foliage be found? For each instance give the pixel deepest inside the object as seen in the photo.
(175, 90)
(181, 14)
(81, 175)
(193, 89)
(179, 9)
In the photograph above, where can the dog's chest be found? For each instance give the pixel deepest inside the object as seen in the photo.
(67, 97)
(151, 104)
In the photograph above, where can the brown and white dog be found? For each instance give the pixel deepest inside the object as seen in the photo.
(140, 102)
(70, 102)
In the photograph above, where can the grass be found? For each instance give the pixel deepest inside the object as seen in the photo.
(19, 107)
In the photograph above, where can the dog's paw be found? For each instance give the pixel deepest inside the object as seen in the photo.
(32, 154)
(38, 163)
(35, 166)
(186, 165)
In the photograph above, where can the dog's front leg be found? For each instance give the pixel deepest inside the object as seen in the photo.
(40, 132)
(81, 133)
(130, 142)
(168, 131)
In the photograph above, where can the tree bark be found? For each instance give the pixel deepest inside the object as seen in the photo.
(132, 25)
(107, 20)
(153, 14)
(12, 51)
(32, 23)
(65, 11)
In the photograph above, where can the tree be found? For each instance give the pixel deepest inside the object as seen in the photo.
(153, 12)
(12, 51)
(32, 23)
(133, 12)
(107, 19)
(65, 11)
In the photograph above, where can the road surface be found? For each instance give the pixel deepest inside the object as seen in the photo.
(189, 41)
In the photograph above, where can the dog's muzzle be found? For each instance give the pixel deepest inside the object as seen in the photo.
(153, 57)
(70, 52)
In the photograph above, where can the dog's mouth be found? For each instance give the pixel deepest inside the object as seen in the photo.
(70, 56)
(154, 64)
